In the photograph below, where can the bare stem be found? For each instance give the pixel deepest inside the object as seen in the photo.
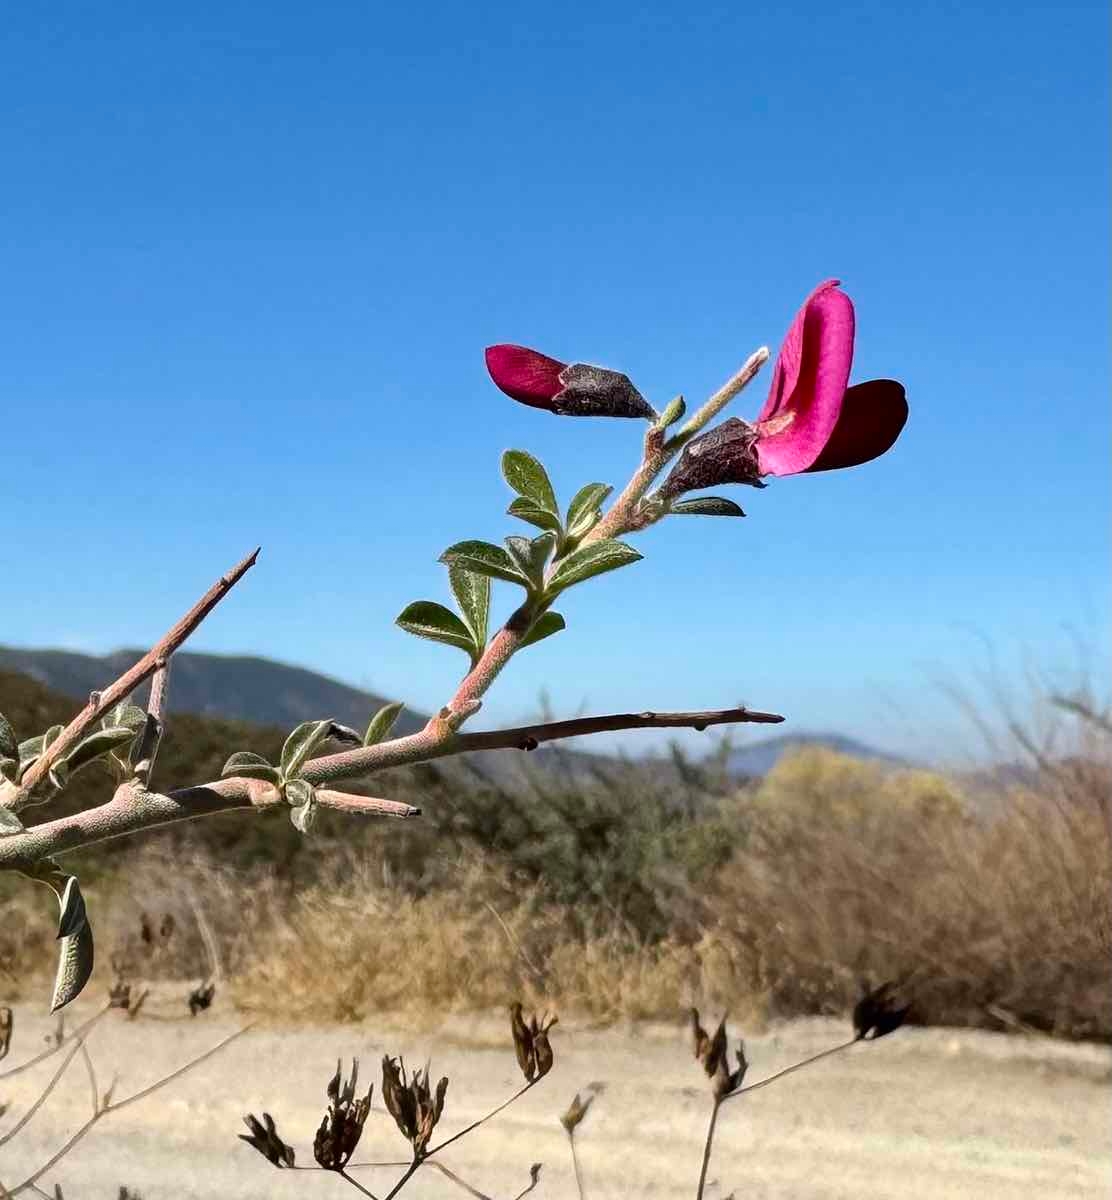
(134, 808)
(706, 1150)
(43, 1096)
(156, 657)
(482, 1120)
(357, 1185)
(727, 392)
(151, 737)
(29, 1183)
(742, 1091)
(575, 1167)
(658, 452)
(51, 1050)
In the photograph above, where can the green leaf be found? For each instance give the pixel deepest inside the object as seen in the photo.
(30, 750)
(299, 746)
(485, 559)
(75, 966)
(50, 736)
(250, 766)
(125, 715)
(9, 747)
(707, 506)
(526, 510)
(532, 555)
(588, 500)
(97, 744)
(672, 413)
(545, 626)
(9, 769)
(529, 479)
(9, 823)
(472, 593)
(344, 734)
(71, 906)
(588, 561)
(378, 730)
(299, 792)
(304, 816)
(302, 799)
(427, 619)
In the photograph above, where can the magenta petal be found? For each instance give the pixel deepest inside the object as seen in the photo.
(808, 382)
(872, 416)
(526, 375)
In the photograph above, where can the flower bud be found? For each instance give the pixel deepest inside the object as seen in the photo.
(570, 390)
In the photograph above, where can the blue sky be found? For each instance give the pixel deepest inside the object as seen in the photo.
(251, 255)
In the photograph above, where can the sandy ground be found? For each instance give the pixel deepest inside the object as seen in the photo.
(924, 1113)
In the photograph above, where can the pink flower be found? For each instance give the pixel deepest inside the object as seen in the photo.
(575, 390)
(812, 420)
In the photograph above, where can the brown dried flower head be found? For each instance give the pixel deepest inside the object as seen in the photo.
(341, 1126)
(878, 1012)
(416, 1109)
(264, 1137)
(7, 1024)
(531, 1044)
(577, 1110)
(713, 1054)
(201, 998)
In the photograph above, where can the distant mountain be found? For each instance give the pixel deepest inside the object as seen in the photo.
(762, 756)
(237, 688)
(264, 692)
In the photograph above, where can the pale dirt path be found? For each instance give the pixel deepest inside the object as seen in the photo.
(924, 1113)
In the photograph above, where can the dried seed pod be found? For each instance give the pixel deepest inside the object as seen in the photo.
(201, 998)
(712, 1053)
(415, 1107)
(879, 1012)
(531, 1043)
(264, 1137)
(342, 1124)
(577, 1110)
(7, 1025)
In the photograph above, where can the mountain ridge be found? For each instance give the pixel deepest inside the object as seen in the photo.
(263, 691)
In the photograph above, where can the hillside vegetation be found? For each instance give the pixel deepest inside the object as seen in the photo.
(622, 892)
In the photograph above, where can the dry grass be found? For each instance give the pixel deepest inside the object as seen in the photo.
(992, 908)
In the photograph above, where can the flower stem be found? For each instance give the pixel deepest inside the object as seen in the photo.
(706, 1150)
(575, 1167)
(623, 516)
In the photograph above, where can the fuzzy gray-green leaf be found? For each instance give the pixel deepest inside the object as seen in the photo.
(486, 559)
(9, 746)
(9, 823)
(528, 478)
(427, 619)
(707, 506)
(526, 510)
(378, 729)
(75, 966)
(298, 792)
(243, 764)
(299, 746)
(672, 413)
(472, 593)
(593, 559)
(97, 744)
(545, 626)
(124, 715)
(588, 500)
